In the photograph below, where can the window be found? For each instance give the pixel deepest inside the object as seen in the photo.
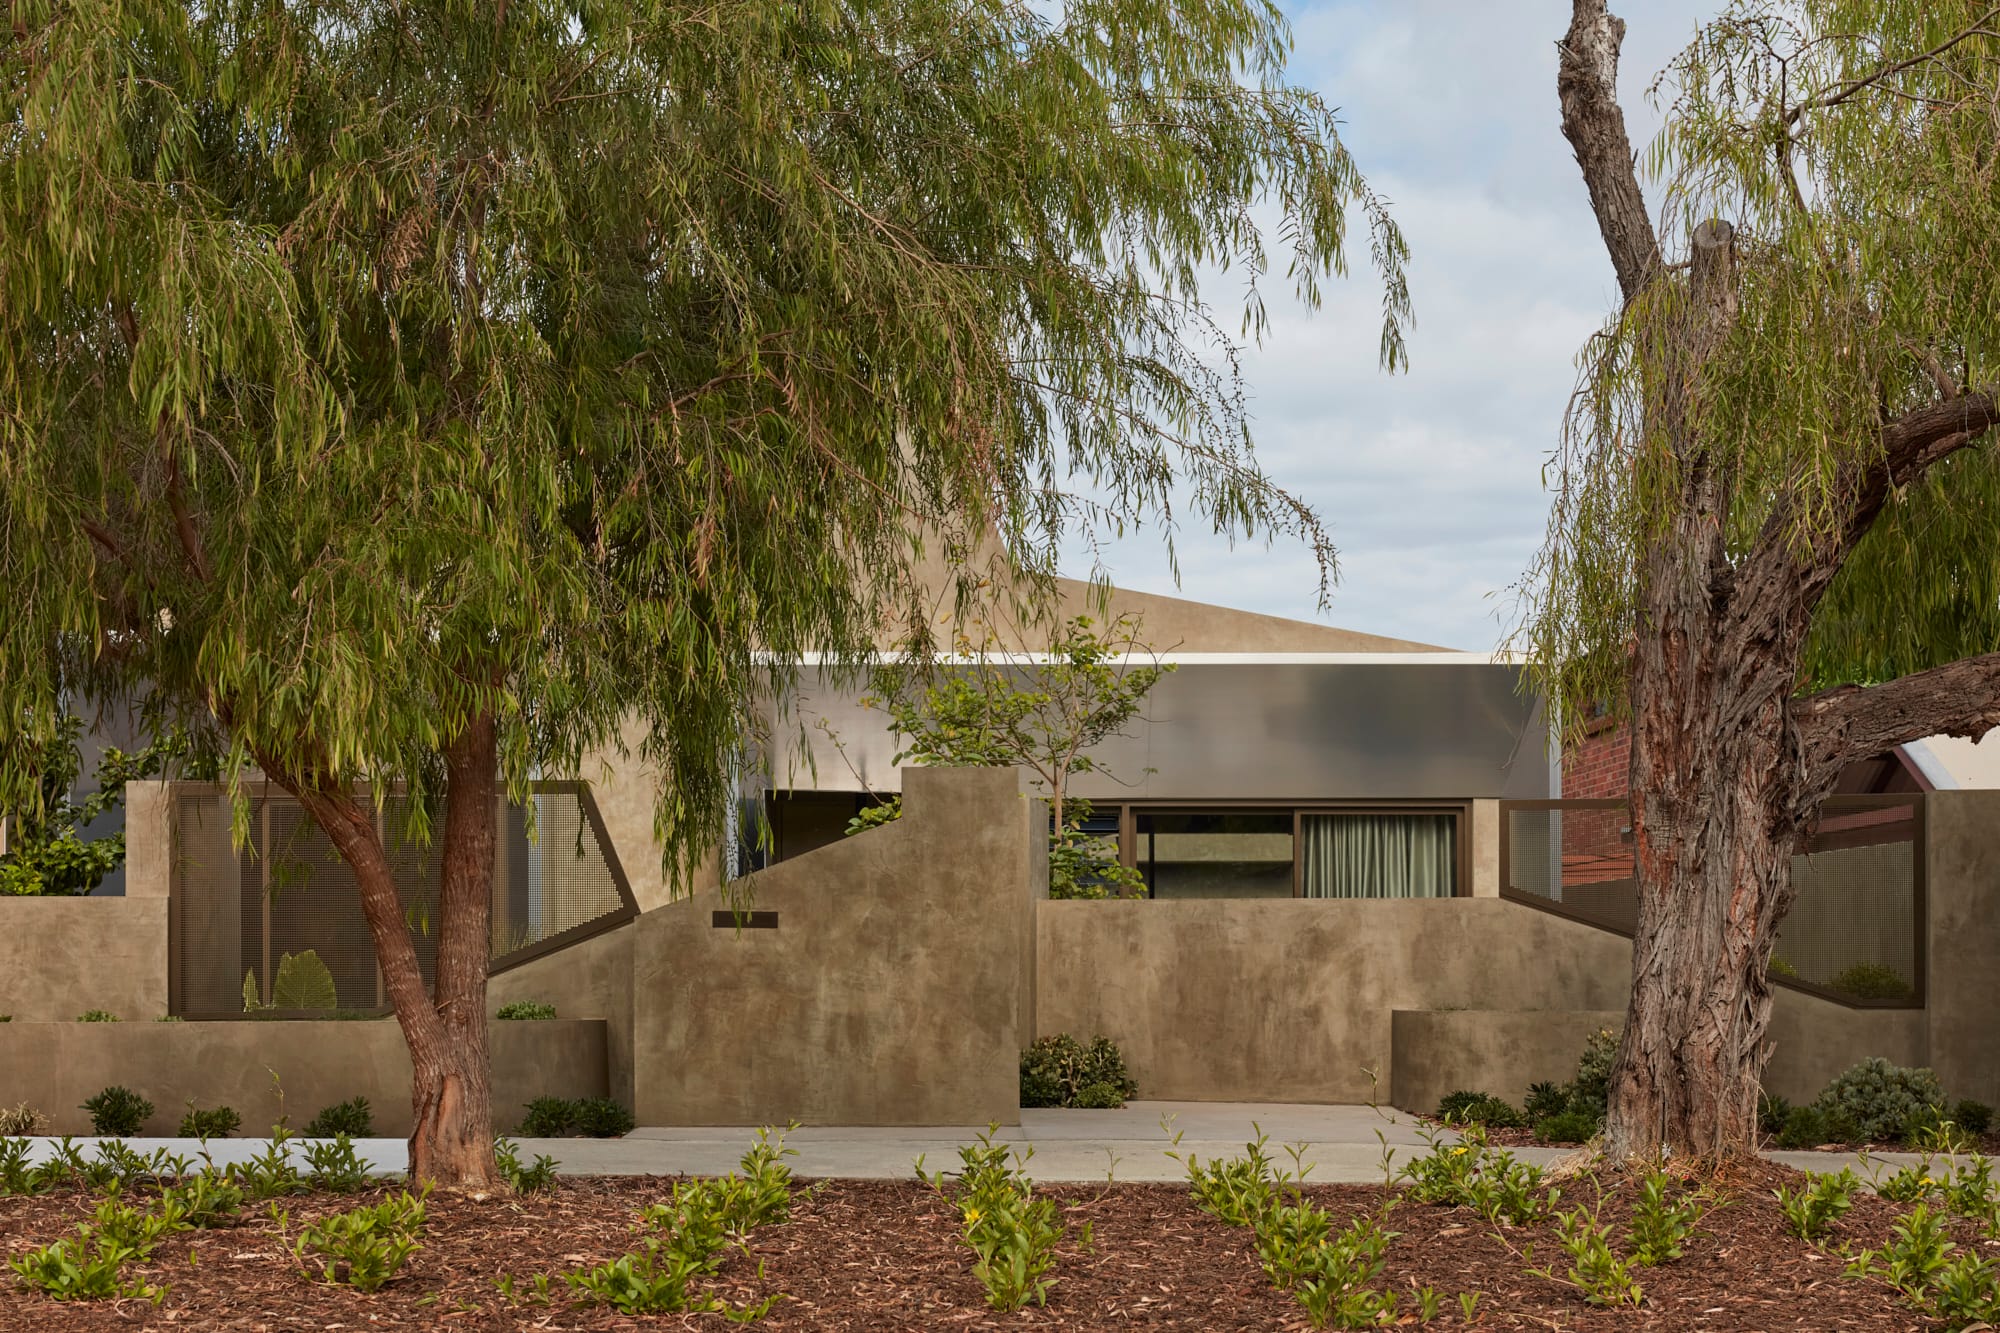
(1215, 854)
(1378, 855)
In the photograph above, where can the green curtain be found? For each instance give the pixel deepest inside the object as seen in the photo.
(1379, 856)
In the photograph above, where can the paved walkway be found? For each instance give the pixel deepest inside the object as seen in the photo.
(1339, 1144)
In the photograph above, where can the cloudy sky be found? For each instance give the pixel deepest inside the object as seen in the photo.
(1430, 482)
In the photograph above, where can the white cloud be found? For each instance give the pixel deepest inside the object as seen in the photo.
(1430, 482)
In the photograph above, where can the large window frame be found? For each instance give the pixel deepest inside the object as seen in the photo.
(1459, 811)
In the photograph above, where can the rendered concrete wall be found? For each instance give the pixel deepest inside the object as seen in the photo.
(1963, 888)
(588, 980)
(1290, 1000)
(61, 956)
(895, 989)
(1812, 1040)
(1487, 1050)
(55, 1066)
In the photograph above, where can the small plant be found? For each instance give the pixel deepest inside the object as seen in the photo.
(1236, 1190)
(1576, 1125)
(352, 1118)
(1544, 1100)
(1662, 1224)
(1062, 1071)
(1335, 1281)
(603, 1118)
(363, 1247)
(206, 1198)
(270, 1173)
(1478, 1108)
(118, 1111)
(548, 1118)
(333, 1165)
(217, 1124)
(1878, 1098)
(1872, 981)
(1969, 1193)
(1591, 1087)
(86, 1268)
(1930, 1130)
(524, 1179)
(20, 1121)
(1472, 1174)
(1960, 1291)
(1974, 1117)
(1012, 1231)
(170, 1018)
(1919, 1180)
(1595, 1268)
(685, 1245)
(526, 1009)
(1804, 1128)
(1772, 1113)
(1811, 1211)
(97, 1016)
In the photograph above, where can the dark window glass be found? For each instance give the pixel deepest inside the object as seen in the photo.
(1215, 854)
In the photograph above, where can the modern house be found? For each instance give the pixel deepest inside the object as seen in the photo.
(1366, 877)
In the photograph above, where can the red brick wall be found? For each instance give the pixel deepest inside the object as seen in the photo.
(1599, 766)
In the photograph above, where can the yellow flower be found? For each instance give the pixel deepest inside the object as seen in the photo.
(1459, 1149)
(971, 1216)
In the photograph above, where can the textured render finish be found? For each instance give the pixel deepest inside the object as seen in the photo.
(588, 980)
(1487, 1050)
(893, 991)
(148, 840)
(55, 1066)
(1963, 887)
(1812, 1040)
(61, 956)
(1281, 1000)
(1485, 835)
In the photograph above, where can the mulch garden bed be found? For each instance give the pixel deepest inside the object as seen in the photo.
(885, 1255)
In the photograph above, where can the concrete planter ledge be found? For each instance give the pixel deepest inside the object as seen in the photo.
(268, 1069)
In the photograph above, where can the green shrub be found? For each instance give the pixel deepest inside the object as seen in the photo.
(1591, 1087)
(1545, 1100)
(1877, 1099)
(352, 1118)
(1973, 1117)
(603, 1118)
(170, 1018)
(1780, 968)
(524, 1179)
(1478, 1108)
(97, 1016)
(1055, 1071)
(217, 1124)
(1772, 1113)
(1872, 981)
(363, 1247)
(548, 1118)
(21, 1121)
(1012, 1232)
(85, 1268)
(1804, 1128)
(333, 1165)
(1572, 1126)
(118, 1111)
(526, 1009)
(270, 1173)
(1813, 1209)
(205, 1198)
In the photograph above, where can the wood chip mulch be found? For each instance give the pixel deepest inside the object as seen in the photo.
(868, 1255)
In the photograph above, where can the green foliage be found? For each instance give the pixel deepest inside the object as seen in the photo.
(885, 811)
(1575, 1125)
(1044, 715)
(47, 854)
(118, 1111)
(1812, 1209)
(86, 1268)
(1873, 981)
(526, 1009)
(1012, 1231)
(1878, 1098)
(1236, 1190)
(271, 1173)
(334, 1166)
(1592, 1084)
(1772, 1112)
(1974, 1117)
(1919, 1180)
(1931, 1129)
(352, 1118)
(363, 1247)
(206, 1198)
(1062, 1071)
(1804, 1128)
(521, 1179)
(1595, 1269)
(97, 1016)
(1477, 1108)
(603, 1118)
(1918, 1262)
(219, 1123)
(21, 1120)
(1330, 1275)
(303, 981)
(1662, 1221)
(548, 1118)
(1471, 1173)
(1544, 1100)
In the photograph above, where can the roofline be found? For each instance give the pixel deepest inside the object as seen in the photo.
(1206, 659)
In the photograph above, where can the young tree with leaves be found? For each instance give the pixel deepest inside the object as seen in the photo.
(416, 394)
(45, 851)
(1775, 545)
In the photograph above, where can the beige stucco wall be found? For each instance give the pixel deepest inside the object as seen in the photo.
(55, 1066)
(895, 990)
(1487, 1050)
(592, 979)
(1290, 1000)
(61, 956)
(1963, 888)
(1812, 1040)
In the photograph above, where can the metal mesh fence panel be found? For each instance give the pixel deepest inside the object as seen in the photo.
(239, 913)
(1853, 930)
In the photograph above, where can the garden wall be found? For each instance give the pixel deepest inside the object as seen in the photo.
(896, 987)
(55, 1066)
(62, 956)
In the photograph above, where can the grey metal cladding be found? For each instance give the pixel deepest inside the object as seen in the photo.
(1284, 731)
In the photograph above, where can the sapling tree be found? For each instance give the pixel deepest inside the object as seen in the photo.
(1775, 543)
(47, 851)
(425, 395)
(1045, 712)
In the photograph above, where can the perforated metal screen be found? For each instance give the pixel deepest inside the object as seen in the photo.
(236, 915)
(1853, 933)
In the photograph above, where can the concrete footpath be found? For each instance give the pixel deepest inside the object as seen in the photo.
(1338, 1143)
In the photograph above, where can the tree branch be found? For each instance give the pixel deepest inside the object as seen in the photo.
(1594, 124)
(1852, 722)
(1847, 90)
